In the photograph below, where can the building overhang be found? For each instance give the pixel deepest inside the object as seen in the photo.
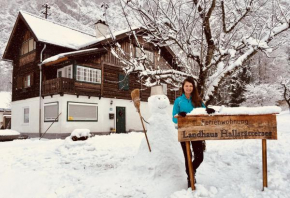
(69, 55)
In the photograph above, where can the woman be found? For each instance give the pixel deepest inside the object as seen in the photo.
(184, 104)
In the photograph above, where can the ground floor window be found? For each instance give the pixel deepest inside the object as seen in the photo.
(77, 111)
(26, 115)
(50, 111)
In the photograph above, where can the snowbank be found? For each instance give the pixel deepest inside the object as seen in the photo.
(8, 132)
(102, 167)
(81, 133)
(8, 135)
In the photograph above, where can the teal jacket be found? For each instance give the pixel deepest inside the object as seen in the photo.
(182, 104)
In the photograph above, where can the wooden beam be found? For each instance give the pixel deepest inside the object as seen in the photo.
(56, 61)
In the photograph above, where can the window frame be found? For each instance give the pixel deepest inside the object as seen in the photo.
(148, 53)
(26, 123)
(50, 104)
(88, 74)
(164, 88)
(65, 70)
(124, 82)
(27, 42)
(84, 104)
(27, 81)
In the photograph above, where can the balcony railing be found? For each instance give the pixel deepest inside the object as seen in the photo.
(58, 86)
(69, 86)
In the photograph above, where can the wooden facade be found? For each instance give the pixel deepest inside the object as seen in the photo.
(26, 70)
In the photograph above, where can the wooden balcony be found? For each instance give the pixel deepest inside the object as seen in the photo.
(69, 86)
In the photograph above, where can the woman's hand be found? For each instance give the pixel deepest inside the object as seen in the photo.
(183, 114)
(210, 110)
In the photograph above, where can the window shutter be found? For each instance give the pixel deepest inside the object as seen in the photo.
(19, 82)
(31, 79)
(23, 82)
(123, 83)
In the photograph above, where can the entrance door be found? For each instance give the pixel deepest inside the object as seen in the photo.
(120, 120)
(7, 123)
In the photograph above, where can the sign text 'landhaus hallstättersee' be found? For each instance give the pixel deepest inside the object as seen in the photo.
(223, 127)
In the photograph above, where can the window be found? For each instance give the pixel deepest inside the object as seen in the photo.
(164, 87)
(26, 115)
(82, 111)
(87, 74)
(50, 111)
(65, 72)
(24, 81)
(27, 81)
(123, 82)
(28, 46)
(149, 54)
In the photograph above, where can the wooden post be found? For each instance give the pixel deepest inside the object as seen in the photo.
(144, 131)
(189, 160)
(264, 160)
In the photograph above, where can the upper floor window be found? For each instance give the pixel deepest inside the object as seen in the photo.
(28, 46)
(65, 72)
(24, 81)
(149, 54)
(164, 87)
(27, 81)
(123, 82)
(87, 74)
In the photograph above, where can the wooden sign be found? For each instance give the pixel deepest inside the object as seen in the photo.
(226, 127)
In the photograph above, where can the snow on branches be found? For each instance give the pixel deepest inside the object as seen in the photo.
(285, 83)
(219, 36)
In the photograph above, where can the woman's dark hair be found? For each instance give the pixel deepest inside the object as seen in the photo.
(195, 98)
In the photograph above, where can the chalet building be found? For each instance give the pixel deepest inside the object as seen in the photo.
(61, 74)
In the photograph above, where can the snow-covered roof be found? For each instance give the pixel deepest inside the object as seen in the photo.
(53, 33)
(50, 32)
(108, 36)
(64, 56)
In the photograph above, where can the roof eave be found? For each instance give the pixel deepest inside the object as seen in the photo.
(76, 54)
(20, 16)
(5, 56)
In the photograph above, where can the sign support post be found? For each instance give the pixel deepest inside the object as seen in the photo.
(189, 161)
(227, 127)
(264, 159)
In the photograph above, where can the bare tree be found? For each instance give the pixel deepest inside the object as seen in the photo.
(219, 36)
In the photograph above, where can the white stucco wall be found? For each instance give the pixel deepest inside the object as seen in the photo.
(1, 117)
(63, 126)
(17, 112)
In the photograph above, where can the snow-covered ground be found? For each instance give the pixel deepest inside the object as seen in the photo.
(105, 166)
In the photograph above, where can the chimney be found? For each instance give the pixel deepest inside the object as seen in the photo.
(101, 28)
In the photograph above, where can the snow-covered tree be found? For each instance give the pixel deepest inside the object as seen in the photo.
(286, 90)
(262, 95)
(219, 36)
(237, 87)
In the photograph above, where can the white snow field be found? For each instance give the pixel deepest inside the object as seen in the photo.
(109, 166)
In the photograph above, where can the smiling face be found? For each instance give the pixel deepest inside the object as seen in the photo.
(188, 88)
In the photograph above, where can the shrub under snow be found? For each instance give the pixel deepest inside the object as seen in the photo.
(80, 134)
